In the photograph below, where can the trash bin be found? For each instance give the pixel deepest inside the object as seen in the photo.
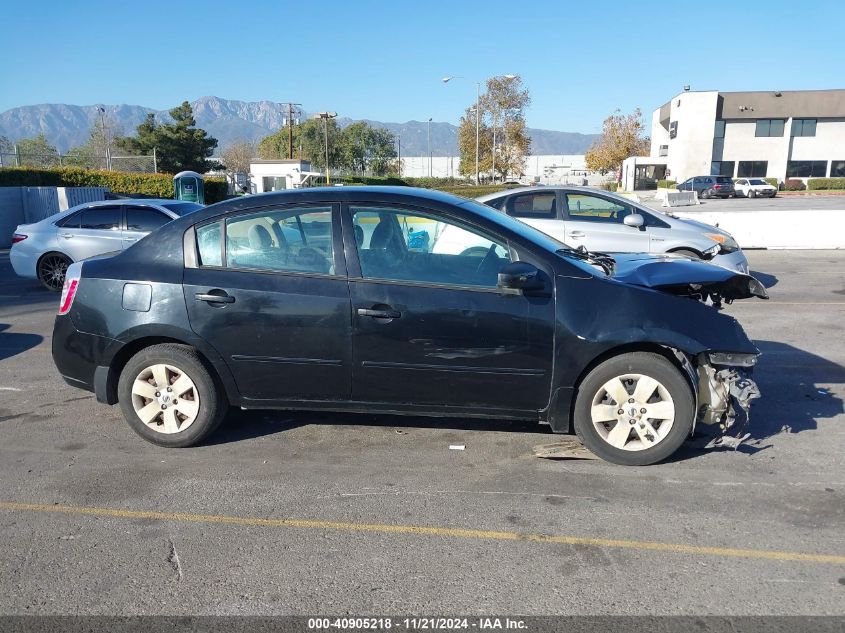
(188, 186)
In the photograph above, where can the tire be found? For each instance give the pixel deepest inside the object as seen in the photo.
(51, 269)
(686, 253)
(751, 194)
(182, 423)
(649, 439)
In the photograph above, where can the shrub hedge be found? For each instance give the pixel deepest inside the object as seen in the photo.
(825, 183)
(773, 182)
(127, 183)
(610, 185)
(793, 185)
(668, 184)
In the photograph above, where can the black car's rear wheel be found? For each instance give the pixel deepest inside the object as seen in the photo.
(169, 397)
(634, 409)
(51, 270)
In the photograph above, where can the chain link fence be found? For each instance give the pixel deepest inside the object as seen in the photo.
(143, 164)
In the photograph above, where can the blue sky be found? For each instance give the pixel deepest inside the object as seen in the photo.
(384, 60)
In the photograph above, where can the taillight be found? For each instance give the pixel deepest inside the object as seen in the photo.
(18, 237)
(717, 187)
(72, 277)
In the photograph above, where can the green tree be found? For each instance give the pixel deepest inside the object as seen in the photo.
(368, 149)
(623, 135)
(179, 145)
(37, 152)
(505, 102)
(308, 143)
(503, 141)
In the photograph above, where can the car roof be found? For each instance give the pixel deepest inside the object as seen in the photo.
(545, 188)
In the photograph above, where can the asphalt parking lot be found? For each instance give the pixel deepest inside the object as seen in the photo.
(302, 513)
(779, 203)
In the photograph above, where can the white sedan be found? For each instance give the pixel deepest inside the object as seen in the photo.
(45, 249)
(754, 188)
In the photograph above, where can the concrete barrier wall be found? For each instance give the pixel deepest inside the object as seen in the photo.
(812, 229)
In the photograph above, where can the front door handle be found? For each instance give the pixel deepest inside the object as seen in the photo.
(576, 234)
(379, 314)
(214, 298)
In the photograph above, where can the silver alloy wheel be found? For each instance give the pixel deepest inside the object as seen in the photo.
(52, 271)
(165, 399)
(633, 412)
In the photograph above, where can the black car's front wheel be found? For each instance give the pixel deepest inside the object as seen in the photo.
(634, 409)
(51, 270)
(169, 397)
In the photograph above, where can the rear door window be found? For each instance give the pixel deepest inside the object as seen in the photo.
(722, 180)
(533, 205)
(145, 219)
(106, 218)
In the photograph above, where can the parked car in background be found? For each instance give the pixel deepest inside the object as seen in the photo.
(45, 249)
(709, 186)
(607, 222)
(754, 188)
(348, 307)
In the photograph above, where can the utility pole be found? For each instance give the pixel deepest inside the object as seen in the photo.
(290, 127)
(399, 153)
(429, 147)
(326, 116)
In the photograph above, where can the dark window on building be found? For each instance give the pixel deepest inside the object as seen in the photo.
(752, 169)
(673, 129)
(803, 127)
(769, 127)
(722, 168)
(664, 150)
(101, 218)
(837, 169)
(806, 169)
(719, 132)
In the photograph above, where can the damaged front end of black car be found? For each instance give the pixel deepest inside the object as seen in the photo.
(682, 311)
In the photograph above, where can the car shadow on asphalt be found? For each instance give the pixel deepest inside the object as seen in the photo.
(794, 398)
(17, 291)
(244, 425)
(14, 343)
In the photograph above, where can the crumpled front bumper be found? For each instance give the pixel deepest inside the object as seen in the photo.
(724, 402)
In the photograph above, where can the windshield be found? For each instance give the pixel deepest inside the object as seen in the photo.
(182, 208)
(757, 181)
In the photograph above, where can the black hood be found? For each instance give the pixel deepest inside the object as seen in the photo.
(685, 276)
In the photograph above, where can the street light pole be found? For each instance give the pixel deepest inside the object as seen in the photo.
(326, 116)
(429, 147)
(105, 136)
(477, 116)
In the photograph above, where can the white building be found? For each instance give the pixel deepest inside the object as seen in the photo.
(275, 175)
(546, 169)
(783, 135)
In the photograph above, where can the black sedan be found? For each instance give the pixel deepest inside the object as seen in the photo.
(402, 300)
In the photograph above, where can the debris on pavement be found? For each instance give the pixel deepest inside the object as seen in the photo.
(565, 448)
(457, 447)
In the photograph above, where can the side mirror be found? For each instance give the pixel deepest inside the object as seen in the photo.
(520, 276)
(635, 220)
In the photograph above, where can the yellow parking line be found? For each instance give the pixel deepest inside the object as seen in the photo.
(382, 528)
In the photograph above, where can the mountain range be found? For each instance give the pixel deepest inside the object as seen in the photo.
(67, 126)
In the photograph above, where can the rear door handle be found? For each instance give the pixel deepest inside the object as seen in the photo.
(67, 236)
(576, 234)
(214, 298)
(379, 314)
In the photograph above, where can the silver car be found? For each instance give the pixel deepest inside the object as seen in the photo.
(45, 249)
(607, 222)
